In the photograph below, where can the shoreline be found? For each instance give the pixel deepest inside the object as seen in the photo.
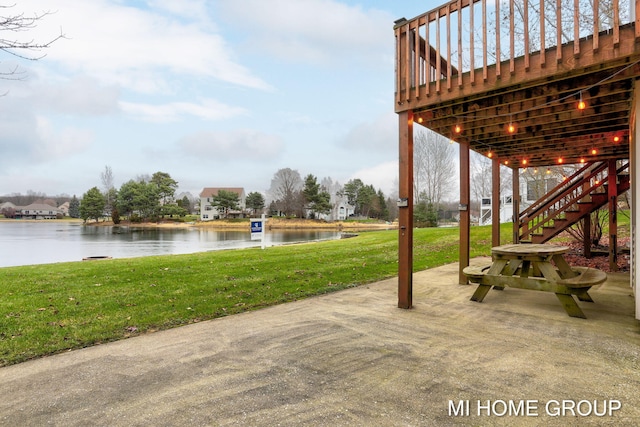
(271, 224)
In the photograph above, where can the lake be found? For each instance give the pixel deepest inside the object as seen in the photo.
(27, 243)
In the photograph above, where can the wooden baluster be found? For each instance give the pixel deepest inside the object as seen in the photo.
(498, 38)
(616, 23)
(559, 30)
(576, 27)
(449, 48)
(543, 55)
(526, 35)
(512, 59)
(472, 67)
(596, 25)
(484, 40)
(438, 55)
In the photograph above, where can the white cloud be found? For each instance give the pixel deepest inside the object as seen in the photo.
(238, 145)
(131, 47)
(378, 135)
(317, 31)
(81, 95)
(208, 109)
(383, 176)
(56, 144)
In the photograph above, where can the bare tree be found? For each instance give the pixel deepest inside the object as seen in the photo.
(481, 172)
(285, 190)
(11, 28)
(434, 175)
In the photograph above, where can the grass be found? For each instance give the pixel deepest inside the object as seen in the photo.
(46, 309)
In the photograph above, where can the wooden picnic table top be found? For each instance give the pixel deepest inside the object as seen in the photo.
(529, 249)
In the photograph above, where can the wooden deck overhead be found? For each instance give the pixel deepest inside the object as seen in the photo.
(446, 77)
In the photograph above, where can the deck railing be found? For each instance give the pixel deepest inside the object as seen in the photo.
(464, 35)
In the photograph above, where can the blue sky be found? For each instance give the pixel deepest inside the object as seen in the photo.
(215, 93)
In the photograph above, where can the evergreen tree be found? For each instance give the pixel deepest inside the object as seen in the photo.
(92, 205)
(226, 201)
(74, 207)
(255, 201)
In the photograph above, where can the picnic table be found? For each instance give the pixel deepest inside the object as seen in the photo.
(539, 267)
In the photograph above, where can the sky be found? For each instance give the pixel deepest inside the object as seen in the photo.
(216, 93)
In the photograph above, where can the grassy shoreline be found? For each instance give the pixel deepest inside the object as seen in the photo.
(46, 309)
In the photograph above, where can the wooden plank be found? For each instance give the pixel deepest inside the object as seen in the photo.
(448, 21)
(570, 306)
(405, 214)
(616, 23)
(465, 213)
(576, 27)
(558, 31)
(484, 40)
(637, 15)
(512, 49)
(460, 66)
(480, 293)
(596, 25)
(427, 65)
(612, 178)
(542, 35)
(498, 60)
(472, 53)
(416, 60)
(407, 67)
(438, 56)
(565, 270)
(548, 271)
(526, 35)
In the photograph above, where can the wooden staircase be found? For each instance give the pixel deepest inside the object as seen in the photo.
(576, 197)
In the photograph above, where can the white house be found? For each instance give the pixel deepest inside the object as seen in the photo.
(209, 212)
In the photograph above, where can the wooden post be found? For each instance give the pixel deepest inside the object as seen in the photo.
(465, 211)
(613, 214)
(515, 200)
(495, 202)
(405, 211)
(634, 161)
(587, 236)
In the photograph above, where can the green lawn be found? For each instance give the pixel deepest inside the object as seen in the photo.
(46, 309)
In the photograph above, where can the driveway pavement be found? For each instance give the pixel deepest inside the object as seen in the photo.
(354, 358)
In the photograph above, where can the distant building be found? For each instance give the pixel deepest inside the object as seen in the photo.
(209, 212)
(37, 211)
(64, 209)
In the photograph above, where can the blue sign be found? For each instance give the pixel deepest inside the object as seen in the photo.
(256, 226)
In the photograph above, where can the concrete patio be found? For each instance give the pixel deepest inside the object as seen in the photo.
(354, 358)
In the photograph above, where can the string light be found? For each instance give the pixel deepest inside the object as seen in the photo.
(581, 104)
(582, 160)
(548, 171)
(457, 128)
(506, 162)
(490, 154)
(594, 151)
(524, 161)
(560, 160)
(616, 138)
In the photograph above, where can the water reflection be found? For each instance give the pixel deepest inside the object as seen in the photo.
(26, 243)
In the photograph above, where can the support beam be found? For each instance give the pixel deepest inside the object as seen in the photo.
(495, 202)
(515, 176)
(613, 215)
(405, 211)
(465, 211)
(634, 161)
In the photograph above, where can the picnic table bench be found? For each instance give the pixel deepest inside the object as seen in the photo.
(537, 267)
